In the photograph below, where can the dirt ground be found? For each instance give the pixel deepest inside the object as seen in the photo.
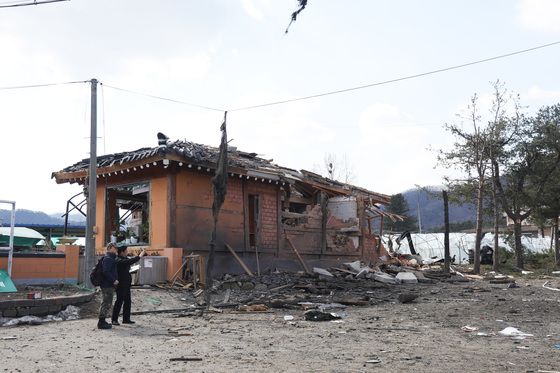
(386, 336)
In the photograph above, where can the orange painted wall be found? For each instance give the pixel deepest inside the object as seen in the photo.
(174, 260)
(100, 218)
(159, 212)
(193, 213)
(44, 270)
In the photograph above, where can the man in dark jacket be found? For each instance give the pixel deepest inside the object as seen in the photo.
(123, 289)
(108, 285)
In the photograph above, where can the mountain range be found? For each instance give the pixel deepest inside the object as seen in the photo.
(430, 203)
(39, 218)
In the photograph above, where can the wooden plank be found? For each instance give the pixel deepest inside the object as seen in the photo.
(297, 254)
(324, 216)
(279, 220)
(245, 268)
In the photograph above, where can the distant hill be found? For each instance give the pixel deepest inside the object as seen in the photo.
(431, 208)
(38, 217)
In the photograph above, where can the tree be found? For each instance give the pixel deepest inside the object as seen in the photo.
(524, 175)
(470, 154)
(547, 209)
(473, 153)
(338, 168)
(399, 206)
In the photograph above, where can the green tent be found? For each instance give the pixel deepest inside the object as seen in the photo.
(6, 284)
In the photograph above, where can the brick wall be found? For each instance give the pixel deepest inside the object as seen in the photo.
(269, 212)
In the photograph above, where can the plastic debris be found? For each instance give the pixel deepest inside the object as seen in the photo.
(316, 315)
(514, 333)
(69, 313)
(322, 272)
(468, 328)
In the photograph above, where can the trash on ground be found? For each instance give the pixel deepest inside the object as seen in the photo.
(254, 308)
(316, 315)
(468, 328)
(69, 313)
(514, 332)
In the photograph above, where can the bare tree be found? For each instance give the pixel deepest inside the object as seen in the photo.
(470, 154)
(338, 168)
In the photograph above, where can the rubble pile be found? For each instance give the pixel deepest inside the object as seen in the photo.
(350, 284)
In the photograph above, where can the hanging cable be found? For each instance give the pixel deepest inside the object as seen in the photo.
(42, 85)
(397, 79)
(13, 5)
(163, 98)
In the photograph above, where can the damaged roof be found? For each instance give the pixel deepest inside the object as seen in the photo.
(190, 154)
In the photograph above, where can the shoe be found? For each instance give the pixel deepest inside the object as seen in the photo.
(128, 322)
(115, 322)
(102, 324)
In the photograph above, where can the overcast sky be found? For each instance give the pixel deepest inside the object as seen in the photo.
(234, 53)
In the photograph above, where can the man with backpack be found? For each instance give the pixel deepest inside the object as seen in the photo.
(108, 284)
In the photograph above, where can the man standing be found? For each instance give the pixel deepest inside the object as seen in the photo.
(125, 281)
(108, 285)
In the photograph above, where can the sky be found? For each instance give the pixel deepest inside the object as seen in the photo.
(228, 54)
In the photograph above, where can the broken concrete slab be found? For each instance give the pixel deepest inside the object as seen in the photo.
(407, 277)
(355, 266)
(385, 278)
(322, 272)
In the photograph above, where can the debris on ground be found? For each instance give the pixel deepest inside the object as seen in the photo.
(69, 313)
(317, 315)
(514, 333)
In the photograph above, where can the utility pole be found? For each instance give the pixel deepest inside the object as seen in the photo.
(91, 229)
(418, 210)
(446, 253)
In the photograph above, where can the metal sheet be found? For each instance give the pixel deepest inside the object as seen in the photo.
(6, 284)
(153, 269)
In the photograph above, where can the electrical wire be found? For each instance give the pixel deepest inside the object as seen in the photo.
(397, 79)
(344, 90)
(163, 98)
(13, 5)
(42, 85)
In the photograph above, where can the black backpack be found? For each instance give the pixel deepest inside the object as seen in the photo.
(96, 274)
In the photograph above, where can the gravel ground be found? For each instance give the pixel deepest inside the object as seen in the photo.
(423, 336)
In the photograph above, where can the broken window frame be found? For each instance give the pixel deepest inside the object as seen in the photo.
(113, 228)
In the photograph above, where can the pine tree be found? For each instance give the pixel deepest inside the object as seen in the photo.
(399, 206)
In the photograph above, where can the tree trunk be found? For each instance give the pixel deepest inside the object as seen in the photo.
(518, 247)
(478, 226)
(496, 262)
(446, 254)
(556, 244)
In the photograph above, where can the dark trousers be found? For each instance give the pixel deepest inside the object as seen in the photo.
(124, 301)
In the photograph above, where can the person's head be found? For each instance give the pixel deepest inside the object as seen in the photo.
(112, 248)
(122, 251)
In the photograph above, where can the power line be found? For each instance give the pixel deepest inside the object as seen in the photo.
(163, 98)
(397, 79)
(31, 3)
(408, 77)
(41, 85)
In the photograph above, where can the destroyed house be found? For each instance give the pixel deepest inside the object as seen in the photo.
(161, 197)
